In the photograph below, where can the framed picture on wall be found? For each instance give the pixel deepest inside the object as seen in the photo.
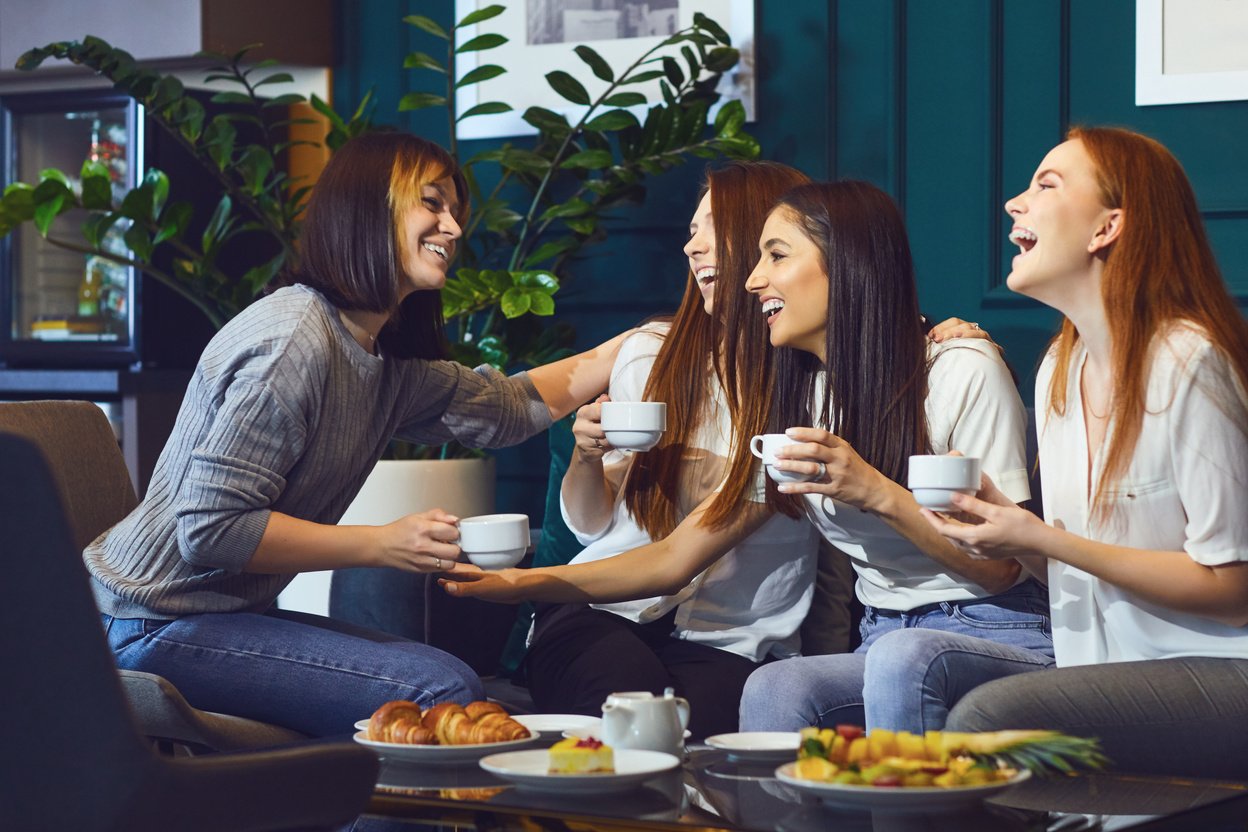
(541, 36)
(1188, 51)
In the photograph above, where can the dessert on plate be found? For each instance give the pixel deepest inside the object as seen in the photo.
(577, 755)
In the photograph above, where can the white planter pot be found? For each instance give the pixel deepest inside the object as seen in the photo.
(395, 488)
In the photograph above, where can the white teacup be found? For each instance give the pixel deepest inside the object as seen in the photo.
(935, 478)
(765, 446)
(634, 426)
(494, 541)
(639, 719)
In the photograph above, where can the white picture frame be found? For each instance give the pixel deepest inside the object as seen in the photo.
(524, 84)
(1190, 51)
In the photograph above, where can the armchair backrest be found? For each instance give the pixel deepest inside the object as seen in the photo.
(86, 463)
(68, 736)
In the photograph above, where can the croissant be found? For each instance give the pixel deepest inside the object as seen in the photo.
(399, 721)
(454, 724)
(444, 724)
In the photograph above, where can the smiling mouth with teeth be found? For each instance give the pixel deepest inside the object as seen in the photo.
(706, 275)
(437, 249)
(771, 308)
(1024, 238)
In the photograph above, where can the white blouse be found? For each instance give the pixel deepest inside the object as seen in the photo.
(1186, 489)
(972, 406)
(752, 601)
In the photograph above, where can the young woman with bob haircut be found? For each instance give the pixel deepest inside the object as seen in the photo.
(1142, 417)
(289, 408)
(836, 283)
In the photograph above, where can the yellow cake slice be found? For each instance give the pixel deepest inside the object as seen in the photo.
(581, 756)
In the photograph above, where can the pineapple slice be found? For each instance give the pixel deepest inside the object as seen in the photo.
(882, 743)
(814, 768)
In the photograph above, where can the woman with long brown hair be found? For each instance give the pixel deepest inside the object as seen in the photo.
(709, 364)
(1142, 406)
(288, 410)
(859, 390)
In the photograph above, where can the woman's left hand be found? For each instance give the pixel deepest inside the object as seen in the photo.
(1004, 530)
(957, 328)
(837, 469)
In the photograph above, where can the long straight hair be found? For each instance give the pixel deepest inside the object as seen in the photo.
(731, 342)
(350, 245)
(877, 366)
(1160, 271)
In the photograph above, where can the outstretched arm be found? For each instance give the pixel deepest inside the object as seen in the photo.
(570, 382)
(661, 568)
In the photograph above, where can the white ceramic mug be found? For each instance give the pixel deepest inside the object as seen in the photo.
(494, 541)
(639, 719)
(634, 426)
(765, 446)
(935, 478)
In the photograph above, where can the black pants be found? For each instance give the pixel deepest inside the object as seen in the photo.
(580, 655)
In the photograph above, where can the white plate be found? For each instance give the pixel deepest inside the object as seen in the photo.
(558, 723)
(771, 746)
(362, 725)
(436, 754)
(529, 770)
(898, 799)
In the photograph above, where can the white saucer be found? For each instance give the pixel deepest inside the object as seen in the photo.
(761, 746)
(595, 731)
(529, 770)
(559, 723)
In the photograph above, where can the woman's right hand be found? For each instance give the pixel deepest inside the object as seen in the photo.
(591, 441)
(498, 585)
(423, 542)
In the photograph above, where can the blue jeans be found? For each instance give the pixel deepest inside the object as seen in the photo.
(313, 674)
(911, 668)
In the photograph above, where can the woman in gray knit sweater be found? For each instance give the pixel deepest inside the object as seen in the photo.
(290, 407)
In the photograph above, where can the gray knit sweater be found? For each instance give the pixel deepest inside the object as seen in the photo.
(285, 412)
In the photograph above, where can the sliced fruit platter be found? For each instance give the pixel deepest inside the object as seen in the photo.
(849, 756)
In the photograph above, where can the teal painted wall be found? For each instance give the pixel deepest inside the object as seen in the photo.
(949, 106)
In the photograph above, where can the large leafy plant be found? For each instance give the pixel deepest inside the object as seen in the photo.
(537, 206)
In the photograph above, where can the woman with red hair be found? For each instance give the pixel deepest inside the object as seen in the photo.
(1143, 434)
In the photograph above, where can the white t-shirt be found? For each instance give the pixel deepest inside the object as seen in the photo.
(1184, 490)
(973, 407)
(752, 600)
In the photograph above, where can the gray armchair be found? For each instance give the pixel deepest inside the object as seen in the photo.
(93, 485)
(73, 757)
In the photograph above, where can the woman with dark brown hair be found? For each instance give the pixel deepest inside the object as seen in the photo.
(1142, 405)
(859, 390)
(288, 410)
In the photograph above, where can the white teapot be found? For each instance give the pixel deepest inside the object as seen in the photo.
(639, 719)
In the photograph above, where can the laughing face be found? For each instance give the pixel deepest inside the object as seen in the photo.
(1061, 226)
(701, 251)
(791, 285)
(427, 236)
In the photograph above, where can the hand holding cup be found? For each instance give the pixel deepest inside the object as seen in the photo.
(494, 541)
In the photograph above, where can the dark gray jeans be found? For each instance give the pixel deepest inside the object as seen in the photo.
(1186, 717)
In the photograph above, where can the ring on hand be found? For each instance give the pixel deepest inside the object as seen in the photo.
(974, 325)
(438, 561)
(823, 471)
(597, 443)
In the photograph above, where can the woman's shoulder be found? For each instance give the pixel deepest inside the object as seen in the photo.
(962, 361)
(643, 343)
(292, 324)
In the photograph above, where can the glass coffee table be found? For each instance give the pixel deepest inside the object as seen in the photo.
(712, 792)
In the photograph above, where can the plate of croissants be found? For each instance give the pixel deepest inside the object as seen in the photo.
(445, 733)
